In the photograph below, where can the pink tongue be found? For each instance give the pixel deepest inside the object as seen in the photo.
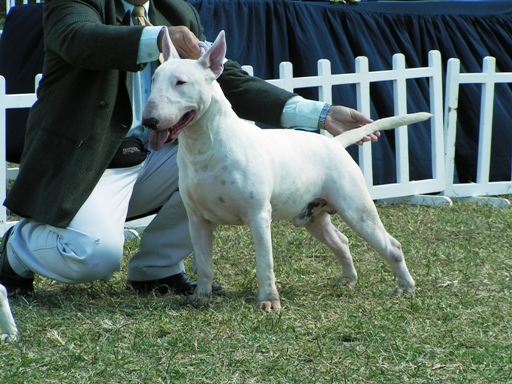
(157, 139)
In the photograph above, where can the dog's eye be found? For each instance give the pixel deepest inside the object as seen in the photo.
(180, 82)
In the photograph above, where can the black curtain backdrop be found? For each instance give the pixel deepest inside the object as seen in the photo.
(264, 33)
(21, 59)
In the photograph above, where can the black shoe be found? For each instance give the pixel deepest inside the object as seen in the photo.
(14, 283)
(179, 284)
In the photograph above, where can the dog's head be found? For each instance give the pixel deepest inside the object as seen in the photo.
(181, 90)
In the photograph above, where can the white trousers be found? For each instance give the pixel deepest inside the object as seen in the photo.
(91, 247)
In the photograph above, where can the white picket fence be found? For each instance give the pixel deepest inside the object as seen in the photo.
(436, 191)
(482, 187)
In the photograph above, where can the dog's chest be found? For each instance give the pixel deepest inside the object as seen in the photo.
(221, 195)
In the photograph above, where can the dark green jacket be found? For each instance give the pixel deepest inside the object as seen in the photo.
(83, 110)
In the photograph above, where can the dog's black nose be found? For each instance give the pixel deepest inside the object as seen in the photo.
(150, 123)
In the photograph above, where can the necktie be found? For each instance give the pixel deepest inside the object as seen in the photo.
(139, 16)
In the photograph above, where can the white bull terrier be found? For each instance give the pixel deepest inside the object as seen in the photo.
(8, 329)
(232, 172)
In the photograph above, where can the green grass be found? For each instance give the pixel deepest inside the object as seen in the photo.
(455, 329)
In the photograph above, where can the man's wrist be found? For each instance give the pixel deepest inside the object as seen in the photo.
(323, 116)
(148, 45)
(301, 113)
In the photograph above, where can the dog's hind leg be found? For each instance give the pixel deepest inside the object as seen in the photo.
(321, 227)
(361, 215)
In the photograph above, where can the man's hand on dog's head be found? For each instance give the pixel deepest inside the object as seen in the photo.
(183, 40)
(340, 119)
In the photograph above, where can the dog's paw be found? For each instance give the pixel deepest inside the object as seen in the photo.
(403, 292)
(268, 300)
(269, 305)
(6, 338)
(203, 291)
(197, 301)
(346, 281)
(200, 296)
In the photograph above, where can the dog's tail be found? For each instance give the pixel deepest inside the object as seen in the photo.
(354, 135)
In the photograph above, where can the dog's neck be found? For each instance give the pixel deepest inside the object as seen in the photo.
(215, 122)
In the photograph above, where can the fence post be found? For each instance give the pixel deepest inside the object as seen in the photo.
(486, 112)
(400, 101)
(325, 89)
(362, 69)
(436, 121)
(3, 167)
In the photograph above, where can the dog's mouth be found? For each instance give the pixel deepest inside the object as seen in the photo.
(157, 138)
(184, 121)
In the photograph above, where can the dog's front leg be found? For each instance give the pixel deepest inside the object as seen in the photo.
(268, 297)
(201, 233)
(8, 329)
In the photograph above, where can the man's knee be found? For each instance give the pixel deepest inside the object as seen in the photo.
(90, 262)
(65, 255)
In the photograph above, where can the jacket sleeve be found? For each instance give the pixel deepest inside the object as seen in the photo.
(87, 36)
(253, 98)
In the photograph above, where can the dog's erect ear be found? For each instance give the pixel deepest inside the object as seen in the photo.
(168, 49)
(215, 57)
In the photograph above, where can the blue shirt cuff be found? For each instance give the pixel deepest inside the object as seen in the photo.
(148, 45)
(301, 113)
